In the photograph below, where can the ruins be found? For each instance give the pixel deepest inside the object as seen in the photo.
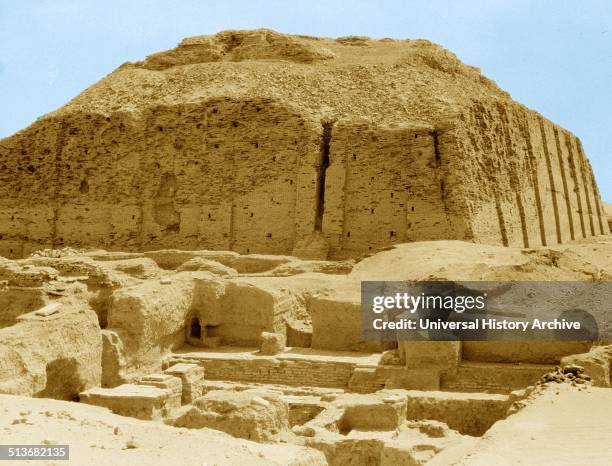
(258, 142)
(182, 248)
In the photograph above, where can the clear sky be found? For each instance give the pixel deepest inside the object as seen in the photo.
(554, 56)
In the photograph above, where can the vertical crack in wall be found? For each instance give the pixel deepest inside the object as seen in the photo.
(568, 204)
(598, 206)
(59, 148)
(533, 170)
(232, 191)
(515, 182)
(500, 219)
(583, 173)
(551, 180)
(574, 175)
(321, 173)
(441, 178)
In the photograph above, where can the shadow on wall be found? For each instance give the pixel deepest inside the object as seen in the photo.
(63, 382)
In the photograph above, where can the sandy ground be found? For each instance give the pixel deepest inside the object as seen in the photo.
(98, 437)
(563, 426)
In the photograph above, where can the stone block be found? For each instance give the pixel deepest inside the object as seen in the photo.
(443, 355)
(271, 343)
(139, 401)
(192, 377)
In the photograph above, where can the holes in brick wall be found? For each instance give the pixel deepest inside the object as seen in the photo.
(354, 156)
(31, 168)
(209, 216)
(234, 124)
(215, 110)
(160, 129)
(84, 187)
(412, 208)
(133, 217)
(68, 167)
(248, 250)
(391, 234)
(251, 214)
(216, 146)
(274, 158)
(392, 195)
(256, 145)
(290, 181)
(348, 234)
(416, 136)
(12, 217)
(268, 235)
(371, 211)
(199, 126)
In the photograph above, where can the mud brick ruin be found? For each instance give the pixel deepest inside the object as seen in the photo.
(184, 243)
(258, 142)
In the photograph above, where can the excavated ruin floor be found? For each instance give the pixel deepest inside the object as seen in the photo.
(115, 332)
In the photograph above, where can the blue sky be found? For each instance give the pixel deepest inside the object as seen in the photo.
(554, 56)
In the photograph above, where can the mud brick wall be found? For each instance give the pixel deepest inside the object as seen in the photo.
(229, 174)
(383, 186)
(259, 176)
(274, 371)
(526, 182)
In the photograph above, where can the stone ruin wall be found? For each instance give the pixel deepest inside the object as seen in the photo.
(257, 177)
(528, 181)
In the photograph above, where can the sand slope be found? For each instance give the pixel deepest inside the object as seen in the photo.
(90, 432)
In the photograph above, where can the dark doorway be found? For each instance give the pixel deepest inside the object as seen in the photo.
(195, 329)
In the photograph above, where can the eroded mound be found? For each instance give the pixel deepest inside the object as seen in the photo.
(261, 44)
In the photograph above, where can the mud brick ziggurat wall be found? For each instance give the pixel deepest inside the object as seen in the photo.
(256, 141)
